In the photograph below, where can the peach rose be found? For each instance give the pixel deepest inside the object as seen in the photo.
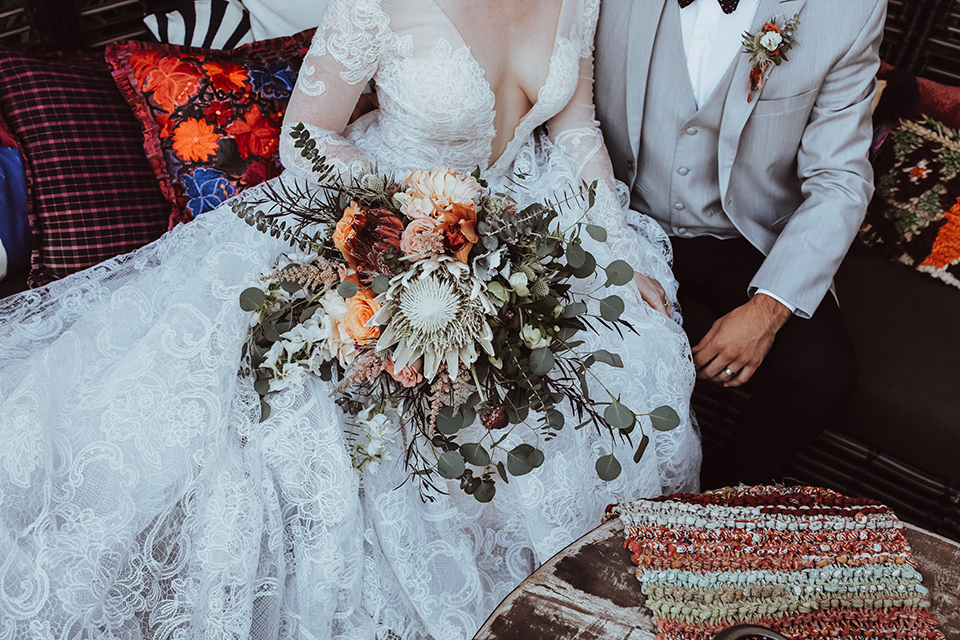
(416, 227)
(409, 376)
(360, 308)
(343, 233)
(459, 230)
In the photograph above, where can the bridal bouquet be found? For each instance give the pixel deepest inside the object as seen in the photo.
(447, 318)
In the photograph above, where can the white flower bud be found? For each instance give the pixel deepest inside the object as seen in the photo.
(519, 282)
(771, 41)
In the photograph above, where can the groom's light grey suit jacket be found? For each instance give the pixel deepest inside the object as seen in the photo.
(794, 174)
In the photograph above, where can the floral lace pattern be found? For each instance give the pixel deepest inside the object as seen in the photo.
(140, 496)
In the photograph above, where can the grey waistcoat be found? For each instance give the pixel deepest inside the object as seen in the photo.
(678, 182)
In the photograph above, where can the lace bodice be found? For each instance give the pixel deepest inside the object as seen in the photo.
(437, 108)
(436, 105)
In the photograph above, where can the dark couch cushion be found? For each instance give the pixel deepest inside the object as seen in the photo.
(904, 327)
(93, 194)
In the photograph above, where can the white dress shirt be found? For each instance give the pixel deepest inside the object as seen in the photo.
(711, 40)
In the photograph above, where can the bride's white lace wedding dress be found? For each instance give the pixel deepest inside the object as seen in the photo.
(141, 498)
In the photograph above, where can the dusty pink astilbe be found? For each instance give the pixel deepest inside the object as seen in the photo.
(452, 393)
(367, 366)
(320, 274)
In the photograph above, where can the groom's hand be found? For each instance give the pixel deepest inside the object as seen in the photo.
(739, 341)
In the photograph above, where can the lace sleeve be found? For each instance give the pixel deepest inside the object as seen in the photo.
(631, 236)
(344, 55)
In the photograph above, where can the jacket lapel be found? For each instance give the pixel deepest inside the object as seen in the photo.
(736, 109)
(644, 22)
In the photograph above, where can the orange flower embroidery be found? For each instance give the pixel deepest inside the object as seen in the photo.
(946, 248)
(226, 76)
(195, 140)
(173, 82)
(143, 62)
(255, 134)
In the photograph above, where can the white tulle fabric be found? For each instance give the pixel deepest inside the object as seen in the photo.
(141, 498)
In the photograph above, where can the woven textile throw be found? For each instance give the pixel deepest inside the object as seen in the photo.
(914, 218)
(806, 562)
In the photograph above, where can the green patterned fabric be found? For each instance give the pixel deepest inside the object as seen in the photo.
(914, 217)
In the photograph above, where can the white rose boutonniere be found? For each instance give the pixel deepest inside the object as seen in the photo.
(768, 47)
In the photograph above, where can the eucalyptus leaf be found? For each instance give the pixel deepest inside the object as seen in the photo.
(307, 313)
(619, 416)
(252, 299)
(597, 233)
(448, 422)
(503, 472)
(641, 448)
(555, 419)
(485, 492)
(475, 454)
(517, 463)
(608, 467)
(541, 361)
(380, 284)
(547, 248)
(290, 286)
(576, 256)
(262, 386)
(588, 268)
(618, 273)
(264, 410)
(612, 359)
(270, 331)
(611, 308)
(468, 416)
(664, 419)
(451, 465)
(535, 459)
(574, 309)
(348, 289)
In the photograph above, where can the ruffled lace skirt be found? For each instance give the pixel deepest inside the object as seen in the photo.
(141, 498)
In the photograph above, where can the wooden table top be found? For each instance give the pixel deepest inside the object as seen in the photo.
(588, 591)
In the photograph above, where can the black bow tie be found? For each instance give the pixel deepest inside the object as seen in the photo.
(728, 6)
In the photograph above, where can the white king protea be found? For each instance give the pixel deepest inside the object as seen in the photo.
(437, 311)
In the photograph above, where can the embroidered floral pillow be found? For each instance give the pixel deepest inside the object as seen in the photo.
(915, 215)
(211, 119)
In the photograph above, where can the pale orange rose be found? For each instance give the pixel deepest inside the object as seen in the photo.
(344, 232)
(409, 376)
(360, 308)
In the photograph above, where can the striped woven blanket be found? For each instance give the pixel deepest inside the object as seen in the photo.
(806, 562)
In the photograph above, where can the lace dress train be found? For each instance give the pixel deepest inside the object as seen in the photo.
(140, 496)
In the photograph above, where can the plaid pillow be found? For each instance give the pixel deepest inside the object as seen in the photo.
(211, 119)
(92, 193)
(914, 217)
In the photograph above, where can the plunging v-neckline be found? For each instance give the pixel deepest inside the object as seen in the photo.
(493, 162)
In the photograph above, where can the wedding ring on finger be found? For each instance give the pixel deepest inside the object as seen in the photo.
(729, 372)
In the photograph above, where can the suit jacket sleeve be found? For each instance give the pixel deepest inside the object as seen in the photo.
(836, 176)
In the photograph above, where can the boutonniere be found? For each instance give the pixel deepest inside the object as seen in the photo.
(768, 47)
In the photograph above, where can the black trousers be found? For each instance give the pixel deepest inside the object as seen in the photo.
(802, 383)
